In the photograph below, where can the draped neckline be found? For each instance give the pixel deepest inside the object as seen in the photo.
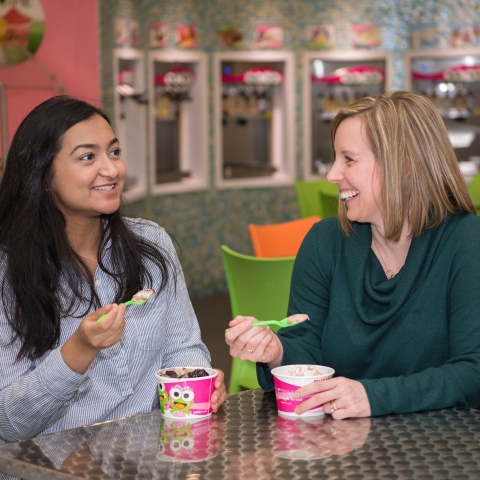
(377, 299)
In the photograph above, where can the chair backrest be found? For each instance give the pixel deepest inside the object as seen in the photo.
(474, 186)
(328, 200)
(280, 239)
(474, 190)
(317, 197)
(259, 287)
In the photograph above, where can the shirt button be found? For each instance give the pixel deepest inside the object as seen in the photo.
(98, 283)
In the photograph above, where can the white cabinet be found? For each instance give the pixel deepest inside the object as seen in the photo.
(331, 80)
(130, 118)
(450, 78)
(178, 121)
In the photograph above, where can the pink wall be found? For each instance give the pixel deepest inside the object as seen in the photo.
(70, 50)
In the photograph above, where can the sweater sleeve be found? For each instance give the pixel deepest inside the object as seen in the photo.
(309, 294)
(457, 381)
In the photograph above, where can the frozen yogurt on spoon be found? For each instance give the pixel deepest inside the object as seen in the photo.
(286, 322)
(138, 299)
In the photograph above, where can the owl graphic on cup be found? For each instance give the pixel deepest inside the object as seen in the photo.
(163, 397)
(179, 400)
(178, 438)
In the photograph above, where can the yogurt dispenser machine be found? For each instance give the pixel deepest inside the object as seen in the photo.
(451, 79)
(332, 80)
(178, 121)
(254, 118)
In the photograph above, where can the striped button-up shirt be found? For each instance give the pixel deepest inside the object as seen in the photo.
(45, 395)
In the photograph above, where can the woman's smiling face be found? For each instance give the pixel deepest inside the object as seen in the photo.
(357, 173)
(88, 171)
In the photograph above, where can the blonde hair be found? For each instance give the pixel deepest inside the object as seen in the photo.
(420, 177)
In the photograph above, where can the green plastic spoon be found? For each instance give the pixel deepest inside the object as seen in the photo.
(286, 322)
(138, 299)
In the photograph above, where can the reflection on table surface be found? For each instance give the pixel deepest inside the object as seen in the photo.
(249, 440)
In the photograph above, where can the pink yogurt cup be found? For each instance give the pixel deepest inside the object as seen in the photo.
(187, 441)
(290, 442)
(186, 398)
(289, 378)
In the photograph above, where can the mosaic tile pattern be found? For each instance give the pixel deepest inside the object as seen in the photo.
(200, 222)
(248, 439)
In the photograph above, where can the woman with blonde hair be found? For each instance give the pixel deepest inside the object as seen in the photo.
(392, 285)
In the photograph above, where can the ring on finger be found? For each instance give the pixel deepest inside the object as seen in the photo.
(333, 407)
(249, 351)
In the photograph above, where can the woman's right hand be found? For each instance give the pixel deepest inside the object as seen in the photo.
(91, 336)
(257, 344)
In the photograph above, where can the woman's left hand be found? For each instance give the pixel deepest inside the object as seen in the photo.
(220, 393)
(340, 397)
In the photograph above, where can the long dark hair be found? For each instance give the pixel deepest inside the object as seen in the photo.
(38, 259)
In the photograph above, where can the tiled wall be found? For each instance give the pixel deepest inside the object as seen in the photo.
(201, 222)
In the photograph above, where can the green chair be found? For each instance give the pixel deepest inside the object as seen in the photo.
(329, 200)
(474, 191)
(258, 287)
(318, 197)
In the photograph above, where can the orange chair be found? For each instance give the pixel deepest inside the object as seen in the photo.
(280, 239)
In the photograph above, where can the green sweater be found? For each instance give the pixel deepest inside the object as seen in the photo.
(412, 341)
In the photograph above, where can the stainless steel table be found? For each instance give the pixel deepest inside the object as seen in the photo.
(248, 440)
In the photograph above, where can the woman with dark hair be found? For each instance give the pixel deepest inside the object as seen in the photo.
(66, 250)
(391, 285)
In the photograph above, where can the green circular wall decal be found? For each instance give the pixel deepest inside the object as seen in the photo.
(22, 26)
